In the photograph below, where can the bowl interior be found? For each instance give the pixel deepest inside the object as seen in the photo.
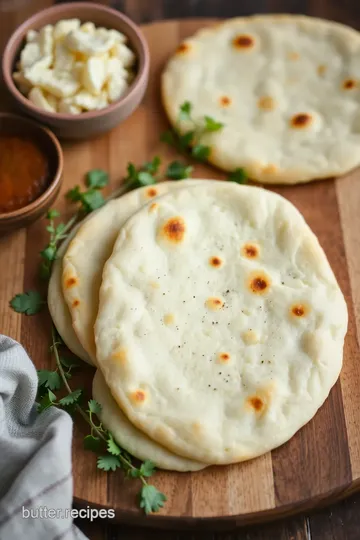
(85, 11)
(13, 125)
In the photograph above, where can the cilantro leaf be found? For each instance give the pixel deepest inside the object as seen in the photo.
(178, 170)
(46, 401)
(71, 398)
(131, 169)
(45, 270)
(145, 178)
(168, 137)
(69, 361)
(152, 166)
(185, 111)
(94, 407)
(49, 253)
(50, 379)
(92, 443)
(151, 499)
(107, 463)
(200, 152)
(29, 303)
(239, 176)
(112, 447)
(211, 124)
(52, 213)
(92, 200)
(74, 194)
(97, 179)
(147, 468)
(186, 139)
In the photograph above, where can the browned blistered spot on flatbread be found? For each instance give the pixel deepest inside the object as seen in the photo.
(266, 103)
(214, 303)
(174, 229)
(225, 101)
(321, 69)
(70, 282)
(138, 397)
(349, 84)
(153, 207)
(216, 262)
(151, 192)
(250, 250)
(250, 337)
(269, 169)
(243, 42)
(256, 403)
(169, 319)
(120, 356)
(301, 120)
(76, 303)
(197, 428)
(183, 48)
(259, 282)
(299, 310)
(224, 357)
(293, 55)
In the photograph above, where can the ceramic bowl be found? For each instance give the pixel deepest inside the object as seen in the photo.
(91, 123)
(11, 124)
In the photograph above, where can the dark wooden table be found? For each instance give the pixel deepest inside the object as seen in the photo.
(339, 522)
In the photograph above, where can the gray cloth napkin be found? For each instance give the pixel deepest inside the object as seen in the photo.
(35, 456)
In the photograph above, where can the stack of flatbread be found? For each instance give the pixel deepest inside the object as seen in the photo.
(211, 314)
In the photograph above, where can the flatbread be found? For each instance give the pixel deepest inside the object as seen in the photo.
(133, 440)
(286, 87)
(87, 253)
(242, 339)
(57, 306)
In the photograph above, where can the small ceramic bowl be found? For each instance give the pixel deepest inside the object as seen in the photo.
(10, 124)
(90, 123)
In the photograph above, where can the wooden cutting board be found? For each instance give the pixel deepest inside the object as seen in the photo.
(322, 462)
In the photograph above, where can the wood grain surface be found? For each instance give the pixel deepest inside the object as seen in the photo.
(323, 461)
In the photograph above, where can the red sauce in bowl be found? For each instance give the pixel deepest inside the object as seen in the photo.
(23, 172)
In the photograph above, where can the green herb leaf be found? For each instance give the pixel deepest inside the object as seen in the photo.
(29, 303)
(71, 398)
(168, 137)
(211, 124)
(112, 447)
(186, 139)
(151, 499)
(94, 407)
(185, 111)
(239, 176)
(97, 179)
(74, 194)
(200, 152)
(145, 179)
(49, 253)
(93, 443)
(147, 469)
(60, 229)
(132, 172)
(178, 170)
(92, 200)
(50, 379)
(51, 214)
(69, 361)
(50, 229)
(108, 463)
(152, 166)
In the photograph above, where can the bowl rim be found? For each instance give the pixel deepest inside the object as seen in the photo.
(54, 181)
(7, 62)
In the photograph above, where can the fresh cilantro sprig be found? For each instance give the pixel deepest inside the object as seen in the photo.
(190, 140)
(177, 170)
(57, 234)
(90, 199)
(29, 303)
(146, 175)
